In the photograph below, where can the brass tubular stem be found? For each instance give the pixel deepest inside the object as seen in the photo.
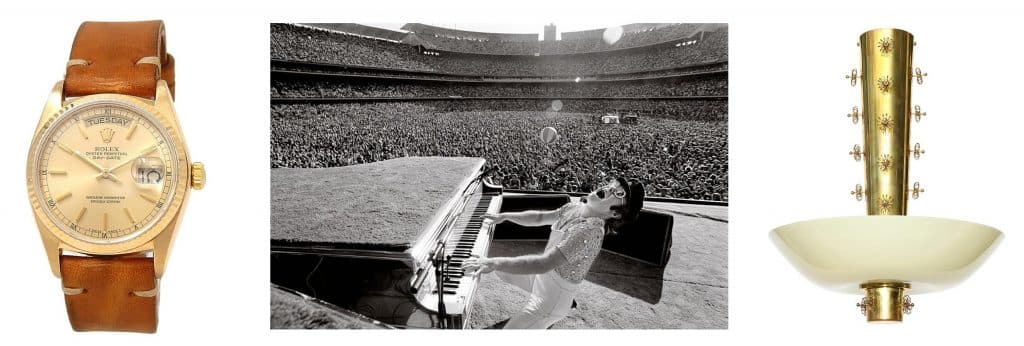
(886, 64)
(884, 301)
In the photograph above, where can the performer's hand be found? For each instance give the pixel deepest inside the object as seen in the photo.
(495, 218)
(478, 265)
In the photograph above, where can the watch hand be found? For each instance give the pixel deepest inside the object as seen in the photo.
(148, 150)
(109, 172)
(108, 175)
(81, 156)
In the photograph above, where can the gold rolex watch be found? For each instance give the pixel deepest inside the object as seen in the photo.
(109, 175)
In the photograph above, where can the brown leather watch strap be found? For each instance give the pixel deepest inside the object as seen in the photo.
(119, 58)
(115, 293)
(110, 293)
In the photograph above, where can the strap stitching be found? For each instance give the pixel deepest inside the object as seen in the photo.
(147, 293)
(73, 291)
(78, 62)
(152, 60)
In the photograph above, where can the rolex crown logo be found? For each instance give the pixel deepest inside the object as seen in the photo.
(107, 134)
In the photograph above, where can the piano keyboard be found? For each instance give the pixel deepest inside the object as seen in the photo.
(470, 236)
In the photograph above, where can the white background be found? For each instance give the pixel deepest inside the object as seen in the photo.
(215, 282)
(788, 142)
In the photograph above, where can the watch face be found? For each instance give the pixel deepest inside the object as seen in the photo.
(103, 171)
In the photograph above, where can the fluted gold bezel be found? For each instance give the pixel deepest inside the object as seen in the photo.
(162, 114)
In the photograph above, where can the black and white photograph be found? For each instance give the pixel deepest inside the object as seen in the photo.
(499, 176)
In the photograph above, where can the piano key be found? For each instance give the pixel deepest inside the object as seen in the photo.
(468, 236)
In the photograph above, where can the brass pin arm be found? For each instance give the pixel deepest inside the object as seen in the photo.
(918, 75)
(854, 115)
(916, 191)
(918, 113)
(917, 151)
(856, 152)
(852, 77)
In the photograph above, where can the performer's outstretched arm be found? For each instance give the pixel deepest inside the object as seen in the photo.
(527, 264)
(526, 218)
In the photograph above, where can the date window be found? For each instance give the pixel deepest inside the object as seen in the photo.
(148, 170)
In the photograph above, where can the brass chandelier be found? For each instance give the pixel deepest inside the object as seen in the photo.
(886, 254)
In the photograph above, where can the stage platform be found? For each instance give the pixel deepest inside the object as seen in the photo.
(690, 292)
(290, 310)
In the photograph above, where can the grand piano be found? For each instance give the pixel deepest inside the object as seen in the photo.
(385, 240)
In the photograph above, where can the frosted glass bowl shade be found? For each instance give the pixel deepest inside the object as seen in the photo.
(930, 253)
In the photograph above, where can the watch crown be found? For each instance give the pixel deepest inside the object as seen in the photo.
(198, 175)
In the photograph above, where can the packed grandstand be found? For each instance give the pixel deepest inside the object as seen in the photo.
(344, 94)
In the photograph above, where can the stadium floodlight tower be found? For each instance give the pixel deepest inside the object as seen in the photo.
(886, 254)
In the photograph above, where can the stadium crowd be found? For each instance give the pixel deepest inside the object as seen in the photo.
(588, 41)
(478, 46)
(416, 104)
(713, 85)
(292, 42)
(300, 43)
(676, 109)
(674, 158)
(346, 70)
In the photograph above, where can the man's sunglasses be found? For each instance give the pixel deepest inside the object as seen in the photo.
(608, 190)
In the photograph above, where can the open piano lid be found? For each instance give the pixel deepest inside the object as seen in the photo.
(381, 209)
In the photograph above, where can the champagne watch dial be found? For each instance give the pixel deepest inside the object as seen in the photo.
(104, 172)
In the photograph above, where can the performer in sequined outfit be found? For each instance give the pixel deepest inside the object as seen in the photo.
(577, 231)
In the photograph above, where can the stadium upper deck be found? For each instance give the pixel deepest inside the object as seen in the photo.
(646, 48)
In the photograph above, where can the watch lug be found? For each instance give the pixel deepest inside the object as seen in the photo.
(163, 242)
(165, 102)
(53, 105)
(52, 247)
(162, 248)
(163, 94)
